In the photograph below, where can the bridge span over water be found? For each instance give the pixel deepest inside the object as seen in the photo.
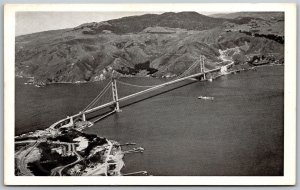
(114, 105)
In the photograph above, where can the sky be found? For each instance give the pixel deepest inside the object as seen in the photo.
(31, 22)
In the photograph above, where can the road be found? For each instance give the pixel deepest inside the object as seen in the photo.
(107, 156)
(60, 169)
(22, 162)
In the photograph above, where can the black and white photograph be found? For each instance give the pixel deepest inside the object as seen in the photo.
(152, 93)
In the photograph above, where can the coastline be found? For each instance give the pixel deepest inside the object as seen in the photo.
(39, 84)
(31, 147)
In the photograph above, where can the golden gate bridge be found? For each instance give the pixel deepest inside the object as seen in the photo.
(109, 97)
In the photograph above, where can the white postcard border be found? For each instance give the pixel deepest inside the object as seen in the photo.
(289, 97)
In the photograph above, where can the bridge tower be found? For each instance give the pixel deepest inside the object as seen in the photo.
(83, 116)
(202, 60)
(115, 93)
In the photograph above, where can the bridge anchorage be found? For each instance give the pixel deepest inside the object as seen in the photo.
(108, 101)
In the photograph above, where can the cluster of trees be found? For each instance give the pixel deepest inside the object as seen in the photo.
(279, 39)
(138, 68)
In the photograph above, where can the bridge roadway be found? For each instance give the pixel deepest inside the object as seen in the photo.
(140, 93)
(150, 89)
(146, 91)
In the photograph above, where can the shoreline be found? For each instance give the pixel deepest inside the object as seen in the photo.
(163, 78)
(86, 164)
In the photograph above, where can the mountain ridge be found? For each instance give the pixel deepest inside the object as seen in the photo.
(164, 44)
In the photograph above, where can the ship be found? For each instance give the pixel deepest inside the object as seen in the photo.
(206, 98)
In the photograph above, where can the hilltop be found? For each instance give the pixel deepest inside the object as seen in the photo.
(151, 44)
(261, 15)
(135, 24)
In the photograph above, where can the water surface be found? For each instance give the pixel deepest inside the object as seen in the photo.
(239, 133)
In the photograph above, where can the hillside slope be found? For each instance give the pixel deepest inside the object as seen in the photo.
(140, 45)
(135, 24)
(261, 15)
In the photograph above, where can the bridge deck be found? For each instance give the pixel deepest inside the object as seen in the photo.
(148, 90)
(138, 94)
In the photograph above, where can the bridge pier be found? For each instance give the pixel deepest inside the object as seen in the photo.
(83, 117)
(224, 69)
(71, 120)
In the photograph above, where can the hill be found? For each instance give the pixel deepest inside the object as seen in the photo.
(262, 23)
(139, 45)
(260, 15)
(134, 24)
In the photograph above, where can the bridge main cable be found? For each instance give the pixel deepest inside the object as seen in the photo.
(166, 84)
(188, 70)
(147, 90)
(97, 97)
(134, 85)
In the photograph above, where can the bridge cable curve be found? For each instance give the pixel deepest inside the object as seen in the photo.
(97, 97)
(134, 85)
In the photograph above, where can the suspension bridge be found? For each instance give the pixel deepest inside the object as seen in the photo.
(110, 99)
